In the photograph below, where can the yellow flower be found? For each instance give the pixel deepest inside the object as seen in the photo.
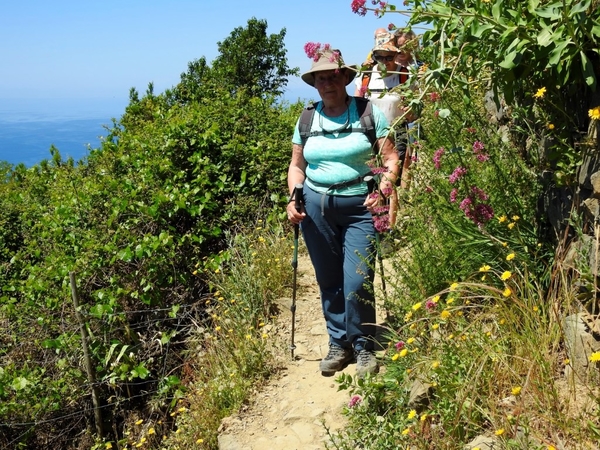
(510, 256)
(540, 92)
(551, 126)
(435, 364)
(406, 431)
(410, 340)
(450, 301)
(506, 275)
(395, 357)
(423, 417)
(151, 431)
(182, 409)
(108, 445)
(435, 299)
(435, 326)
(453, 286)
(511, 225)
(404, 352)
(199, 441)
(412, 414)
(139, 422)
(502, 219)
(515, 218)
(408, 316)
(445, 314)
(499, 432)
(594, 113)
(416, 306)
(594, 357)
(502, 321)
(507, 292)
(485, 268)
(551, 447)
(516, 390)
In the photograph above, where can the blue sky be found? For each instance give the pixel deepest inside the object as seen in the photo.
(67, 49)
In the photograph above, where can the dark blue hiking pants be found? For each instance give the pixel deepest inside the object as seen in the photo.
(339, 234)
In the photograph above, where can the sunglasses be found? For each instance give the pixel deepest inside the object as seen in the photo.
(381, 58)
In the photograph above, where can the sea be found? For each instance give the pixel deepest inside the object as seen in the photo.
(29, 127)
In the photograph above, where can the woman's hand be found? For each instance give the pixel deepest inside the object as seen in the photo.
(293, 215)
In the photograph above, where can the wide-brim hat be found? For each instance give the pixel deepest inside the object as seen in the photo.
(329, 60)
(384, 42)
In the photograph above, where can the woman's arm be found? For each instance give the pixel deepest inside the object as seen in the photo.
(296, 175)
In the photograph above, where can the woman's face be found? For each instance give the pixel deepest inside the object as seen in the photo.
(405, 56)
(386, 58)
(331, 83)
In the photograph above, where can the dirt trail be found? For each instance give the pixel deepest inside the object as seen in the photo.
(293, 410)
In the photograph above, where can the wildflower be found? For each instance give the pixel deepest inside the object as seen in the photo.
(595, 357)
(506, 275)
(391, 27)
(458, 173)
(594, 113)
(435, 299)
(410, 340)
(399, 345)
(416, 306)
(453, 286)
(510, 256)
(445, 314)
(540, 92)
(536, 308)
(358, 7)
(551, 447)
(182, 409)
(435, 326)
(507, 292)
(139, 422)
(395, 357)
(151, 431)
(478, 148)
(515, 218)
(502, 218)
(403, 352)
(485, 268)
(516, 390)
(502, 321)
(435, 364)
(355, 400)
(408, 316)
(199, 441)
(453, 195)
(430, 304)
(450, 301)
(406, 431)
(108, 445)
(412, 414)
(423, 417)
(551, 126)
(437, 157)
(499, 432)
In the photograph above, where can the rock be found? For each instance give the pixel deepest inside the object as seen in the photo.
(483, 443)
(420, 395)
(580, 344)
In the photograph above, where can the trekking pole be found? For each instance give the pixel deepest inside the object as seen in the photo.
(298, 194)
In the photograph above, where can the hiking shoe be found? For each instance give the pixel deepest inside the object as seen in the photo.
(366, 362)
(336, 359)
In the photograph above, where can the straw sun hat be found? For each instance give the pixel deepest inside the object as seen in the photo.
(328, 60)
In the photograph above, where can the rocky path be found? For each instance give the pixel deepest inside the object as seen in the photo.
(295, 409)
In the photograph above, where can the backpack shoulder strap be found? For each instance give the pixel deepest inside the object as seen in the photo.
(367, 121)
(305, 123)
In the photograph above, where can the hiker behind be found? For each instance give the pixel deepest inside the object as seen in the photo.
(391, 71)
(336, 219)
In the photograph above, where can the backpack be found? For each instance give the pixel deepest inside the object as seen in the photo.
(365, 112)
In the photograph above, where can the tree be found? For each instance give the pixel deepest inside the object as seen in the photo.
(251, 59)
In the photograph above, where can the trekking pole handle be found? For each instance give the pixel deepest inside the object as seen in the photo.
(298, 195)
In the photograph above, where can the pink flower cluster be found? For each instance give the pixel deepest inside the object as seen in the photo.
(474, 207)
(437, 157)
(354, 401)
(478, 148)
(457, 175)
(358, 7)
(314, 50)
